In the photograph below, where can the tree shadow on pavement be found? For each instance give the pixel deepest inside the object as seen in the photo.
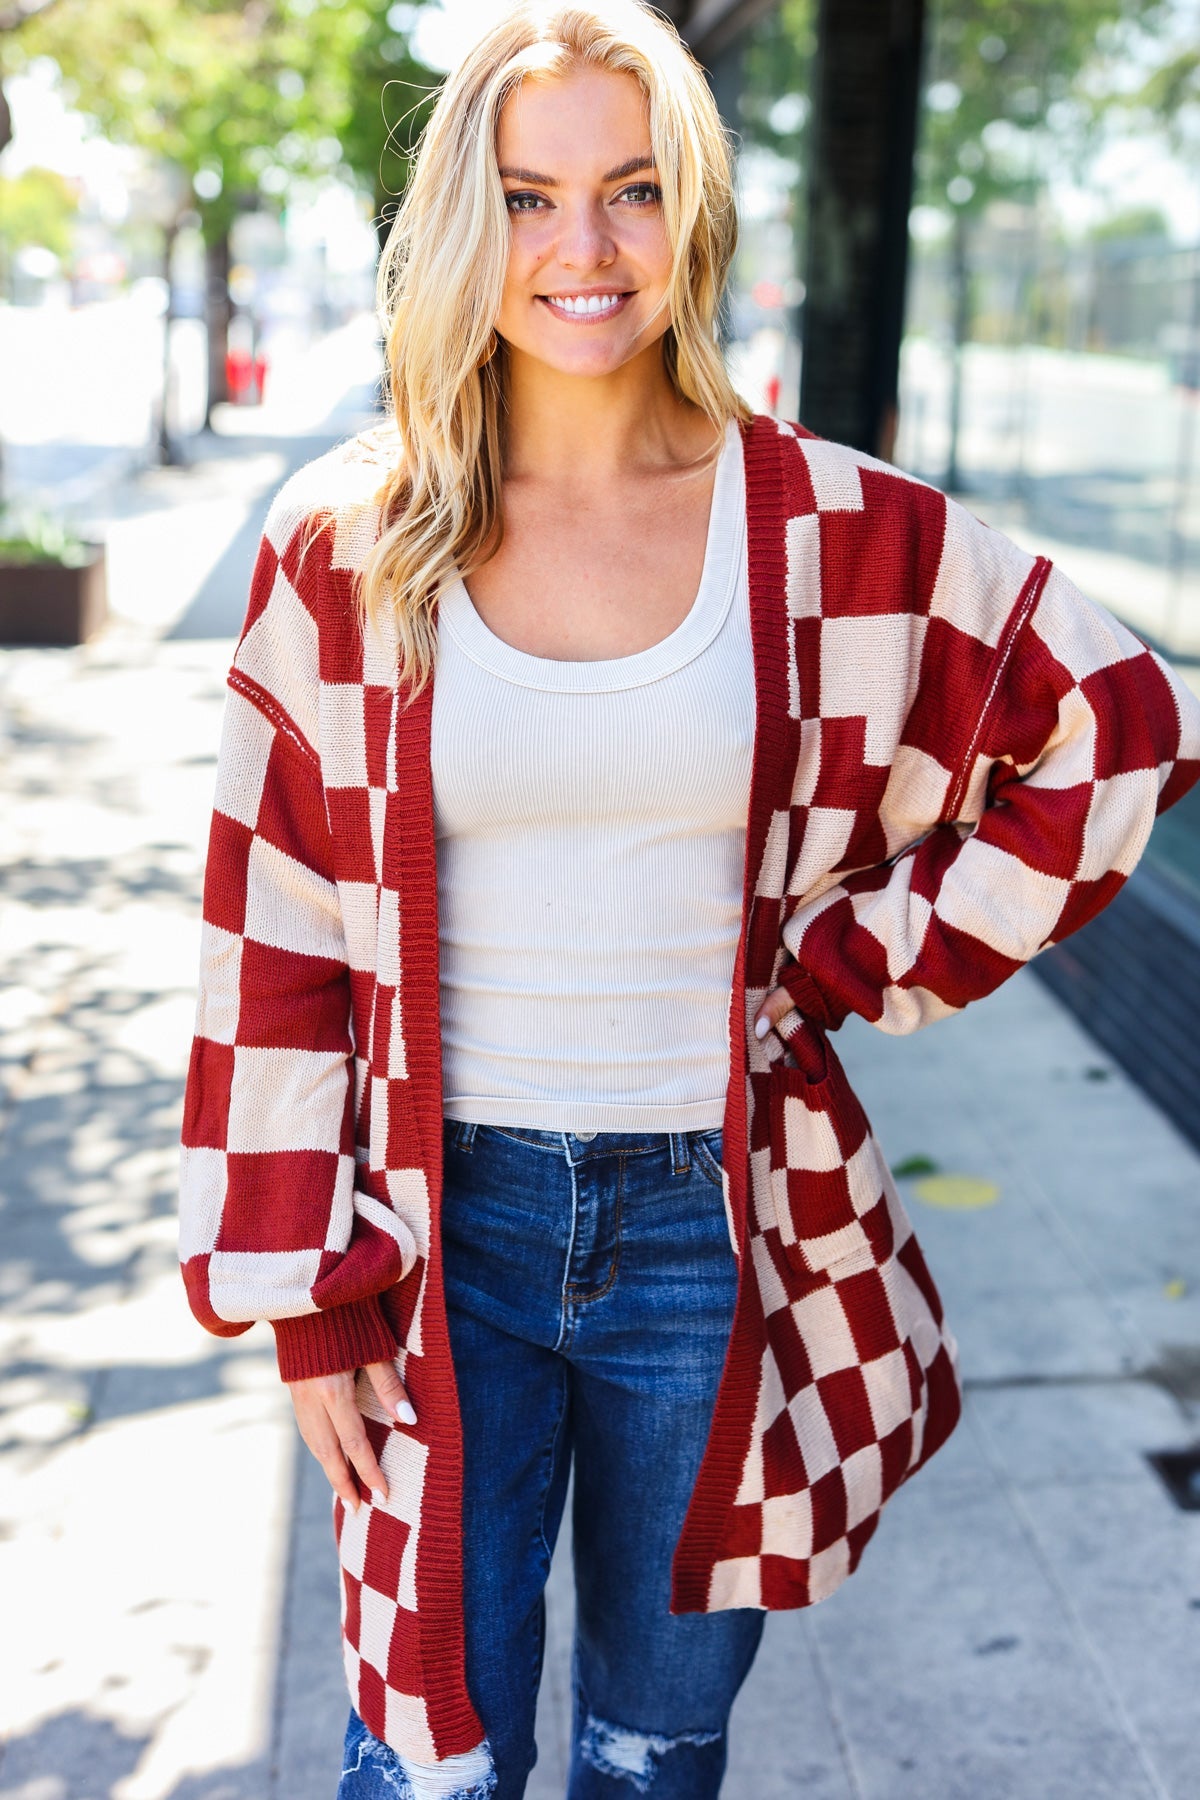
(73, 1755)
(68, 1756)
(89, 1154)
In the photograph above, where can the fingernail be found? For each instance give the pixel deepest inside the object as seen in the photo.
(761, 1027)
(405, 1412)
(379, 1497)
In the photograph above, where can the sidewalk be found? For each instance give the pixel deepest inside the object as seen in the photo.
(1026, 1623)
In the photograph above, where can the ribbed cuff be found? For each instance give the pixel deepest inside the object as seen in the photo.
(808, 998)
(324, 1343)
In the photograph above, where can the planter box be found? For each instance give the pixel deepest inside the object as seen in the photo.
(44, 603)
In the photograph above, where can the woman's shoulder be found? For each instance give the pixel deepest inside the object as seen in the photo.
(864, 538)
(803, 473)
(342, 488)
(840, 478)
(302, 616)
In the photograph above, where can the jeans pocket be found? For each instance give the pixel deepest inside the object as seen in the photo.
(707, 1150)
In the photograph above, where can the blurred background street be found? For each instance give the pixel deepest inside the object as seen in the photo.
(185, 317)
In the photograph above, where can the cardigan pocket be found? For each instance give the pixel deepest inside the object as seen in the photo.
(824, 1163)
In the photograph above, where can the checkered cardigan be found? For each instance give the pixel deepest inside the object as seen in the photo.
(958, 759)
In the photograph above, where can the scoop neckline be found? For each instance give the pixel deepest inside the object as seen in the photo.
(724, 550)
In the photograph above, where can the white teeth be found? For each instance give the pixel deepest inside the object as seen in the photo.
(584, 303)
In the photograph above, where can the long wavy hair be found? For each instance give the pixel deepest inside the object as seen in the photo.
(441, 279)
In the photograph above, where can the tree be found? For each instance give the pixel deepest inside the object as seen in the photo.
(13, 16)
(242, 100)
(1010, 89)
(197, 86)
(389, 96)
(36, 207)
(1170, 96)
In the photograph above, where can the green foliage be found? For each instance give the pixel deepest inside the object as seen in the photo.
(1170, 98)
(391, 96)
(1008, 84)
(243, 100)
(1130, 222)
(183, 82)
(774, 101)
(777, 77)
(1174, 86)
(37, 537)
(37, 207)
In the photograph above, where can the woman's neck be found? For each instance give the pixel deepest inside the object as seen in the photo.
(575, 432)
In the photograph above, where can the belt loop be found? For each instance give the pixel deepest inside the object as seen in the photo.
(464, 1135)
(680, 1157)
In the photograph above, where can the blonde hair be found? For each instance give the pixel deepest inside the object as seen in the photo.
(442, 276)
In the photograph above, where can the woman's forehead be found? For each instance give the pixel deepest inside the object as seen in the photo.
(581, 116)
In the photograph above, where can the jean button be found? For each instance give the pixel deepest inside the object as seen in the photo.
(585, 1137)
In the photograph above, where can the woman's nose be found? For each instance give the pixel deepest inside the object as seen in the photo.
(586, 240)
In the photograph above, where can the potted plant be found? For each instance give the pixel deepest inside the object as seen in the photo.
(53, 588)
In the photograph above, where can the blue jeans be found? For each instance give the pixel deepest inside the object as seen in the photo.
(590, 1284)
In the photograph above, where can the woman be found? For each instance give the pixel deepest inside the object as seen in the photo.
(512, 1105)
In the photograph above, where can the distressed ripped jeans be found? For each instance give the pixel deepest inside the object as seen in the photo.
(590, 1284)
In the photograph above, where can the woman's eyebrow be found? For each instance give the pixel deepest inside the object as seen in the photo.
(631, 167)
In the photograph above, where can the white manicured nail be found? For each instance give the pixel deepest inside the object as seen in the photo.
(379, 1497)
(406, 1413)
(761, 1027)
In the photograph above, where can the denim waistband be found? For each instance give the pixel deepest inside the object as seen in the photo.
(579, 1144)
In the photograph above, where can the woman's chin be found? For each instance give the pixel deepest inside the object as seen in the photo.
(591, 361)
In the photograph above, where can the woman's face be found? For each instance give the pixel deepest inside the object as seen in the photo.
(588, 260)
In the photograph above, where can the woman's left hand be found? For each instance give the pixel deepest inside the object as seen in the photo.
(777, 1003)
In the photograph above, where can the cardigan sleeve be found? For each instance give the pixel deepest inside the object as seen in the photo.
(270, 1223)
(1086, 735)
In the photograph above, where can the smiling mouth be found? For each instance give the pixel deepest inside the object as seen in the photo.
(584, 306)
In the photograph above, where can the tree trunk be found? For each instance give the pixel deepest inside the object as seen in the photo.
(168, 451)
(217, 310)
(960, 287)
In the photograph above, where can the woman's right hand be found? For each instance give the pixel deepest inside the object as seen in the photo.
(333, 1428)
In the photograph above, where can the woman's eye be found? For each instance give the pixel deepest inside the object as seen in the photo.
(643, 194)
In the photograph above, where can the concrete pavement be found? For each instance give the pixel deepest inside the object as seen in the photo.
(1026, 1623)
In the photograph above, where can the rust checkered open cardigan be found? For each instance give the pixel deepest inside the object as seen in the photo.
(957, 761)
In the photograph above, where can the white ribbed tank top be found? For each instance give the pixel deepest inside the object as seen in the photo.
(590, 821)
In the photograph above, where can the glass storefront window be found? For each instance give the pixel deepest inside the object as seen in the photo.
(1050, 367)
